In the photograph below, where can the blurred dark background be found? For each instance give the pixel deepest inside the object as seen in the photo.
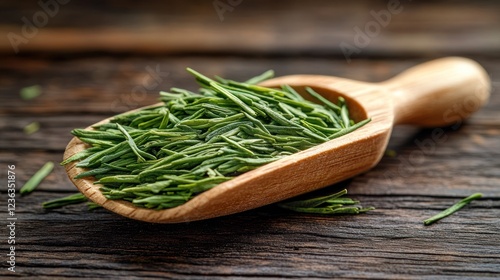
(126, 51)
(253, 27)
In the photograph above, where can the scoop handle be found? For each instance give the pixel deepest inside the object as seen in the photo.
(438, 93)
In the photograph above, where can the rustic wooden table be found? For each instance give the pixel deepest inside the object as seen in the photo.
(95, 59)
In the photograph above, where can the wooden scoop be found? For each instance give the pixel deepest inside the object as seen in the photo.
(438, 93)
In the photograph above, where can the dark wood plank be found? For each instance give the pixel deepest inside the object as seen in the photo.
(258, 27)
(107, 85)
(53, 135)
(389, 243)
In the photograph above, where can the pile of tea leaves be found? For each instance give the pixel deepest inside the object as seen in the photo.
(161, 156)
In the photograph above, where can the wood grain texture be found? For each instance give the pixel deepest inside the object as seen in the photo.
(388, 243)
(269, 242)
(260, 27)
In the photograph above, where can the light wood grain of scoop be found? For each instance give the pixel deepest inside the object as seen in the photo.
(437, 93)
